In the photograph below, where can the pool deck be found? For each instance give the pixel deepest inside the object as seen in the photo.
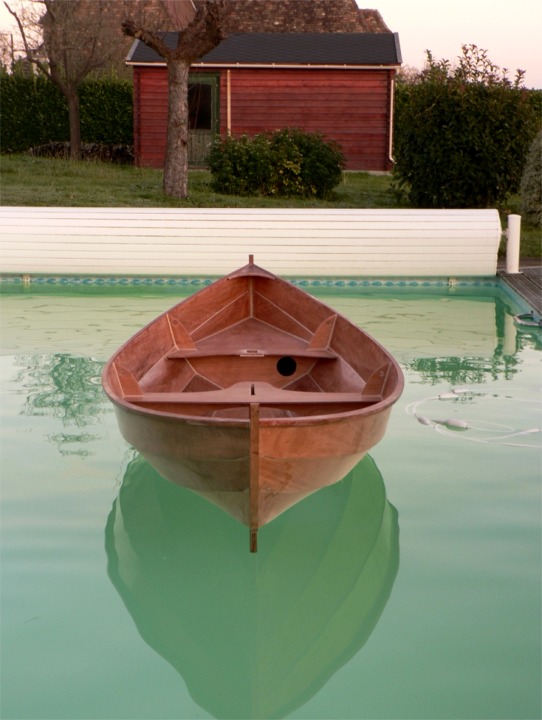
(527, 283)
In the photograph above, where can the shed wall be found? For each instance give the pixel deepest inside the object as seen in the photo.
(150, 116)
(349, 106)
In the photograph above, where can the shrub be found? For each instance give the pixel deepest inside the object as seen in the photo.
(284, 163)
(462, 134)
(240, 166)
(531, 184)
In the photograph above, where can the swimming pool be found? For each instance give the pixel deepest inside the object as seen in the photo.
(412, 589)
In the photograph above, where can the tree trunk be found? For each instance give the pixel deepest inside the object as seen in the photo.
(75, 123)
(176, 160)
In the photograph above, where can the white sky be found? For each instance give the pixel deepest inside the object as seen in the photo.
(510, 30)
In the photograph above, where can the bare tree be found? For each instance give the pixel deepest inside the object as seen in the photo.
(200, 24)
(67, 40)
(6, 50)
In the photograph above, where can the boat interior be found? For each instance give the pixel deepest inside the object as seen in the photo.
(251, 339)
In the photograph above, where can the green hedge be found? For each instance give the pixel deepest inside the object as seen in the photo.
(462, 133)
(531, 184)
(107, 112)
(34, 112)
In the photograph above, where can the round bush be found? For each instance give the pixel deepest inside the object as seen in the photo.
(284, 163)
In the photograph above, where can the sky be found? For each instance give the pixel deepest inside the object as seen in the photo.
(510, 30)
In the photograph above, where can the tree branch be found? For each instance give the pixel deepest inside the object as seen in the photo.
(202, 34)
(152, 39)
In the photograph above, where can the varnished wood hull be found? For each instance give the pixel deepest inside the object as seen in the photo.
(294, 460)
(252, 394)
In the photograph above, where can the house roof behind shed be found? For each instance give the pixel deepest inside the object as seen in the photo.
(289, 49)
(302, 16)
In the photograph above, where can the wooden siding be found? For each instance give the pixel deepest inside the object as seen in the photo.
(185, 242)
(349, 106)
(150, 116)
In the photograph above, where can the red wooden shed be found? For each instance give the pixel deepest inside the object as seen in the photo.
(339, 84)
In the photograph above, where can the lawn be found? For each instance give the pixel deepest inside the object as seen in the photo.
(27, 180)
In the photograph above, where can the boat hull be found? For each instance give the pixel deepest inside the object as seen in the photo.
(213, 460)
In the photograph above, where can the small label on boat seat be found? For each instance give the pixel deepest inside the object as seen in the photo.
(251, 353)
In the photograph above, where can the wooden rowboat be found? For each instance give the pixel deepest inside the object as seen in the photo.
(253, 394)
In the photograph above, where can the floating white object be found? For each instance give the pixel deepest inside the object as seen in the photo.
(456, 424)
(482, 431)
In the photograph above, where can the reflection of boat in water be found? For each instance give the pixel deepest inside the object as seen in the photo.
(253, 394)
(254, 636)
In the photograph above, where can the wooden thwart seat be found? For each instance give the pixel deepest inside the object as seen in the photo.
(257, 392)
(316, 353)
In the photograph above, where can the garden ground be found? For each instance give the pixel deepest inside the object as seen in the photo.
(27, 180)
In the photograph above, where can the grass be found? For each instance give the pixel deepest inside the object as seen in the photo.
(27, 180)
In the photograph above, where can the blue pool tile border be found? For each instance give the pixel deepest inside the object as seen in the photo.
(98, 281)
(330, 283)
(132, 281)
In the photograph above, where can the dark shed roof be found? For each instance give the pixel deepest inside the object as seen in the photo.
(289, 49)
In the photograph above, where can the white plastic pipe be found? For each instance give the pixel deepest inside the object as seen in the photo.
(509, 348)
(512, 244)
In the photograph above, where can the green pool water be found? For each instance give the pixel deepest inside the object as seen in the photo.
(411, 589)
